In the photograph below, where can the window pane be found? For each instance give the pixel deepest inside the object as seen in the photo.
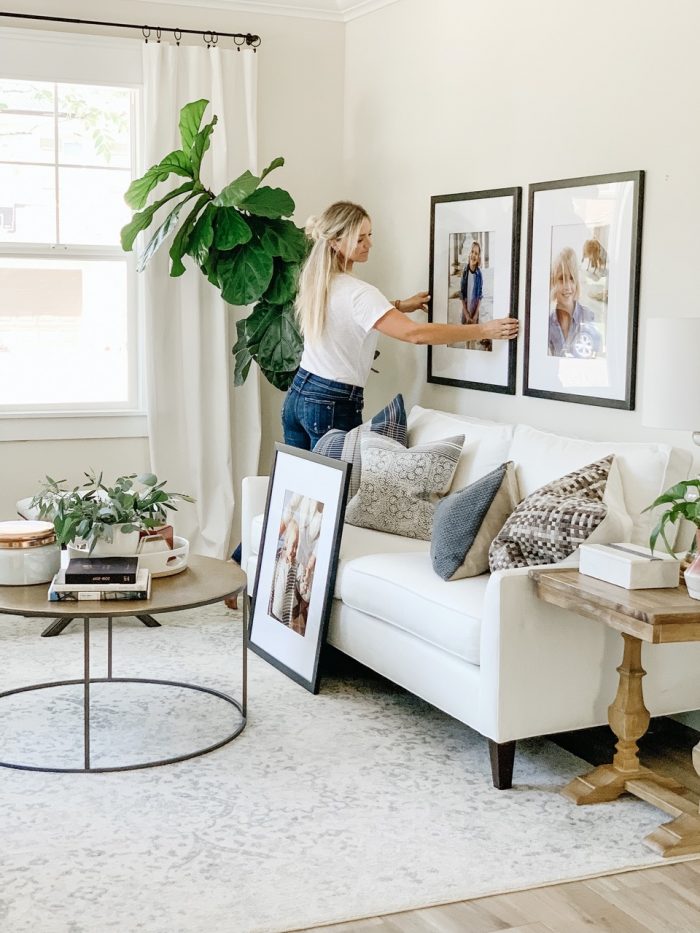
(92, 209)
(63, 332)
(37, 96)
(26, 137)
(27, 204)
(94, 125)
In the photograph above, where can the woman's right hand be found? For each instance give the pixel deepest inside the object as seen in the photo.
(503, 328)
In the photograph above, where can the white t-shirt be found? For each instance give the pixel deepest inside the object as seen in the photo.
(345, 350)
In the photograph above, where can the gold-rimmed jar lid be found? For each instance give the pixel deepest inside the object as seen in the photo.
(24, 534)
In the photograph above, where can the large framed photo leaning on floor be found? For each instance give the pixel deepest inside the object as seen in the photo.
(297, 561)
(474, 250)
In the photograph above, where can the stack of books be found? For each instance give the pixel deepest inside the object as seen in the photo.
(94, 578)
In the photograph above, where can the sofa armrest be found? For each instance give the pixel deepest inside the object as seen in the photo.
(253, 499)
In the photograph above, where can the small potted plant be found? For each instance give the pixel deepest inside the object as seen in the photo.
(106, 519)
(681, 501)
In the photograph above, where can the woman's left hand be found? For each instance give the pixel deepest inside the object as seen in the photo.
(417, 302)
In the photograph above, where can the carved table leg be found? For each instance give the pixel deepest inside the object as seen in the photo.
(629, 720)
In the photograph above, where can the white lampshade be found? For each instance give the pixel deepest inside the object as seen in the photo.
(672, 374)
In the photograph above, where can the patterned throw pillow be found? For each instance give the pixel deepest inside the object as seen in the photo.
(399, 487)
(467, 521)
(550, 524)
(345, 445)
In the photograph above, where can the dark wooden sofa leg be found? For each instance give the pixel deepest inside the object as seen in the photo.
(502, 757)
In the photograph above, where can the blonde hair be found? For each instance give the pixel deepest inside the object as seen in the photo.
(340, 221)
(565, 266)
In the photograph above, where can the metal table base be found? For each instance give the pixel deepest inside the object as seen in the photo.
(87, 681)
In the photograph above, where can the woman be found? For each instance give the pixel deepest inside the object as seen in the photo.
(341, 317)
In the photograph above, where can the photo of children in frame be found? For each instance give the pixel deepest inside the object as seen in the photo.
(295, 561)
(578, 283)
(470, 285)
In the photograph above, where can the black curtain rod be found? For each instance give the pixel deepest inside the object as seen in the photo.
(208, 35)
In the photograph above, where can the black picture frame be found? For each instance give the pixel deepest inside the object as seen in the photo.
(297, 561)
(492, 219)
(589, 231)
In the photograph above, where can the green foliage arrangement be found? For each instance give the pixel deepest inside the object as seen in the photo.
(241, 239)
(681, 501)
(91, 511)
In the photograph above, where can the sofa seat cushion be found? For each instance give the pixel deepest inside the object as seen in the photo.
(404, 591)
(355, 542)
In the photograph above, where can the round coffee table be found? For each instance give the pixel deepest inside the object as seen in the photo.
(204, 581)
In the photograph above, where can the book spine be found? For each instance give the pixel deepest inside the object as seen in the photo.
(95, 595)
(100, 577)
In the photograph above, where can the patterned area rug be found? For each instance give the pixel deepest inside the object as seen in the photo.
(358, 801)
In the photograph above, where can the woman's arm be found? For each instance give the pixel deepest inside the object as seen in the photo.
(394, 324)
(417, 302)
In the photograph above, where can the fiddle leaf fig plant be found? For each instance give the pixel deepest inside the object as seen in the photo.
(681, 501)
(241, 239)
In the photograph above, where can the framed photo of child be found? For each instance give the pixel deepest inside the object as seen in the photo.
(297, 561)
(584, 248)
(474, 252)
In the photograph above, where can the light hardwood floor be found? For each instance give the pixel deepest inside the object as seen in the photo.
(661, 900)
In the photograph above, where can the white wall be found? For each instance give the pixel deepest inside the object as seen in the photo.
(300, 101)
(471, 96)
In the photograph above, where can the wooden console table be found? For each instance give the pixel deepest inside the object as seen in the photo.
(656, 616)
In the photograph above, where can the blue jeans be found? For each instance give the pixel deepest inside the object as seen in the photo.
(314, 405)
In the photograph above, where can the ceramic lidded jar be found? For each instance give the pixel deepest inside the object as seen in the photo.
(29, 553)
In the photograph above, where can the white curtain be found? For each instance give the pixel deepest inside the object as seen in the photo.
(204, 435)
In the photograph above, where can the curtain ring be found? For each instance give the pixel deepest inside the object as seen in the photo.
(254, 41)
(177, 34)
(214, 38)
(237, 43)
(158, 33)
(210, 38)
(146, 32)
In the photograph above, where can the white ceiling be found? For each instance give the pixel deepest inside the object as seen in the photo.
(338, 10)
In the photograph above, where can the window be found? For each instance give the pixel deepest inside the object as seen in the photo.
(68, 318)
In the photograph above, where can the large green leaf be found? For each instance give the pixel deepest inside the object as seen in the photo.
(190, 121)
(245, 274)
(282, 238)
(179, 244)
(237, 191)
(175, 163)
(230, 229)
(202, 237)
(142, 219)
(162, 233)
(283, 286)
(254, 327)
(211, 267)
(268, 202)
(241, 354)
(279, 380)
(276, 163)
(280, 348)
(200, 145)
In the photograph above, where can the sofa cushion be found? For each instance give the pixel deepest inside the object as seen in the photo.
(399, 487)
(550, 523)
(403, 590)
(486, 445)
(345, 445)
(467, 521)
(646, 469)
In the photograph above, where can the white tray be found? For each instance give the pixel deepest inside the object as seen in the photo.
(161, 563)
(167, 562)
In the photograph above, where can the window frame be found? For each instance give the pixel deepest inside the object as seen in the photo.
(61, 65)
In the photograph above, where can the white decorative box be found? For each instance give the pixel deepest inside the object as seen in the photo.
(630, 565)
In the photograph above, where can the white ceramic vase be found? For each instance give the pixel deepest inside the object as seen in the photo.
(123, 544)
(692, 574)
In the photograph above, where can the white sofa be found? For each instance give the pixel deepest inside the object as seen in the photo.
(485, 649)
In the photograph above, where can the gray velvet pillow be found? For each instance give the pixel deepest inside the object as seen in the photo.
(400, 487)
(467, 521)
